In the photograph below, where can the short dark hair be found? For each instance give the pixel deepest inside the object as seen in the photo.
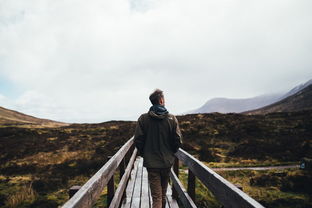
(155, 96)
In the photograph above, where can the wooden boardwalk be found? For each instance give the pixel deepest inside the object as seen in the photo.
(138, 193)
(133, 189)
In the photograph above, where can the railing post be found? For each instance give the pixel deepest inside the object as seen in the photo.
(122, 168)
(191, 184)
(110, 188)
(176, 171)
(128, 154)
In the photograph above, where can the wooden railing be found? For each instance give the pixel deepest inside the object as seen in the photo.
(90, 191)
(226, 193)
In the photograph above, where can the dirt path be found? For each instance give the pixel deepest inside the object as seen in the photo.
(257, 168)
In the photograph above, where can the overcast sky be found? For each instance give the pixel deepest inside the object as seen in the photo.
(93, 61)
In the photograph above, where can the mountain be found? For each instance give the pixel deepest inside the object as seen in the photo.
(227, 105)
(301, 100)
(13, 118)
(297, 89)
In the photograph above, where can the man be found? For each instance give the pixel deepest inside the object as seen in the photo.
(157, 137)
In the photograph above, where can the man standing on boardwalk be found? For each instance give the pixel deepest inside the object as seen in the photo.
(157, 137)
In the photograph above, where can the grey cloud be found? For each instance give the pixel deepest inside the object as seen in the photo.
(100, 60)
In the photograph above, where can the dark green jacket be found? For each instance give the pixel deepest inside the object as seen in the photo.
(157, 138)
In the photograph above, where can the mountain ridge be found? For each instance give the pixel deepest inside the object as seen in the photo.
(11, 117)
(300, 101)
(237, 105)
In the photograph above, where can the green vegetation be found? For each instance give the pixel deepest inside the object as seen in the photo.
(204, 198)
(275, 188)
(46, 162)
(276, 138)
(289, 188)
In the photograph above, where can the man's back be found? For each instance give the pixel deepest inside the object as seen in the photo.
(157, 138)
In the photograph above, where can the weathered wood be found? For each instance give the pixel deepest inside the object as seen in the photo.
(141, 194)
(123, 182)
(150, 196)
(183, 195)
(191, 184)
(227, 194)
(171, 203)
(90, 191)
(145, 200)
(176, 171)
(138, 194)
(136, 197)
(129, 190)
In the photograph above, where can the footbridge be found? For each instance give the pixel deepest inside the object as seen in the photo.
(133, 190)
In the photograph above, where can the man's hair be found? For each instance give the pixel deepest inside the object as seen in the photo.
(155, 96)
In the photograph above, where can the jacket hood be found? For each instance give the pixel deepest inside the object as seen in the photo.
(154, 115)
(158, 112)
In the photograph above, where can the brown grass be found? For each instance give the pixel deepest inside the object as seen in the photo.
(53, 158)
(26, 193)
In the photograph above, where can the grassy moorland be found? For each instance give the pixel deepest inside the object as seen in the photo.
(38, 165)
(287, 188)
(273, 139)
(47, 161)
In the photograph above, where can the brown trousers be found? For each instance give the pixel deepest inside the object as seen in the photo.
(158, 180)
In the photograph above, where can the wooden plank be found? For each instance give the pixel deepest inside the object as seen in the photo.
(136, 197)
(224, 191)
(126, 203)
(167, 203)
(183, 195)
(171, 203)
(90, 191)
(123, 182)
(150, 196)
(145, 200)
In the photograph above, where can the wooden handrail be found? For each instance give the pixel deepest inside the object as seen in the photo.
(181, 192)
(123, 183)
(90, 191)
(226, 193)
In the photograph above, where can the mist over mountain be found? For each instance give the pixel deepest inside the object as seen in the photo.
(300, 101)
(297, 89)
(228, 105)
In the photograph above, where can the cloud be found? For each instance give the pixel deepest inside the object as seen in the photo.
(90, 62)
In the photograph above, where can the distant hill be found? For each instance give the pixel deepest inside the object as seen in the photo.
(301, 100)
(227, 105)
(14, 118)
